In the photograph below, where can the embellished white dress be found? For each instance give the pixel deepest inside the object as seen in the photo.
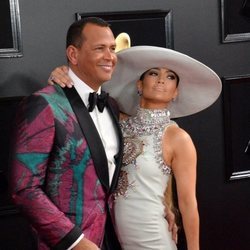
(139, 208)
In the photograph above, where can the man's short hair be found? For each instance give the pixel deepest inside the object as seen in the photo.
(74, 34)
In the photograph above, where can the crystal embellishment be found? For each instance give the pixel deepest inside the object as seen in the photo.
(147, 122)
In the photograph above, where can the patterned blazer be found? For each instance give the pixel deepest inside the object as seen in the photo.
(59, 174)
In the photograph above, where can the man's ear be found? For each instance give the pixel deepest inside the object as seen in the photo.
(72, 54)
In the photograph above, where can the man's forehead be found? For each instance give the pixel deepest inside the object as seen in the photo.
(99, 37)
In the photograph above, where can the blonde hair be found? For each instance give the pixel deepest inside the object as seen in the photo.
(170, 199)
(168, 195)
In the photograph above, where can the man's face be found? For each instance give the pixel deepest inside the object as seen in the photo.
(94, 62)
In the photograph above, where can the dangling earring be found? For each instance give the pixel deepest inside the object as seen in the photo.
(139, 92)
(174, 99)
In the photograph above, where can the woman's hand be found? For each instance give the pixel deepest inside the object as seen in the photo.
(60, 76)
(172, 227)
(85, 244)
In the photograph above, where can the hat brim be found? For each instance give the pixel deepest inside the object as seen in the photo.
(199, 86)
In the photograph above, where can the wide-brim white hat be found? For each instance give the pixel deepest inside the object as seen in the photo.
(199, 86)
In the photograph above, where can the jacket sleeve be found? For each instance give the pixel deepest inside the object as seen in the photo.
(32, 143)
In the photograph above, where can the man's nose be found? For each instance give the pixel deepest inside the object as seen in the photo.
(109, 54)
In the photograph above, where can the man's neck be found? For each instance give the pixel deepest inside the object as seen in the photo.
(94, 86)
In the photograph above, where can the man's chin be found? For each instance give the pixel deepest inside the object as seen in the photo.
(107, 78)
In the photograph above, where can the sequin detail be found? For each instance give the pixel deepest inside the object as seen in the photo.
(148, 122)
(123, 185)
(133, 147)
(144, 123)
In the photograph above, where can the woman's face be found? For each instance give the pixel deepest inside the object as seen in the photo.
(158, 87)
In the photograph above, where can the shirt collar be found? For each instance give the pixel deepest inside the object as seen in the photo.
(81, 87)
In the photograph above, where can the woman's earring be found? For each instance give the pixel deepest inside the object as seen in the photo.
(139, 92)
(174, 99)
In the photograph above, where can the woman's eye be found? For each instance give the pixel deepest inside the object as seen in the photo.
(153, 73)
(171, 77)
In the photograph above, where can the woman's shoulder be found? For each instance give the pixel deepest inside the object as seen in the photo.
(175, 133)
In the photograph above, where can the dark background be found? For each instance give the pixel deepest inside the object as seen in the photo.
(237, 16)
(237, 134)
(6, 39)
(144, 27)
(224, 205)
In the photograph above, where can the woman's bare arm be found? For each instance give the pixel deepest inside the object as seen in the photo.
(180, 153)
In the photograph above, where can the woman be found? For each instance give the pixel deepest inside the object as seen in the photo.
(170, 84)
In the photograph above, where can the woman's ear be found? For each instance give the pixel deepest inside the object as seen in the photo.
(139, 85)
(175, 93)
(72, 54)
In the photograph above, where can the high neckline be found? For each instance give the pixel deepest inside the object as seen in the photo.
(152, 116)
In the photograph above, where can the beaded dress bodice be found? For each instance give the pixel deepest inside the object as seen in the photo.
(145, 123)
(139, 198)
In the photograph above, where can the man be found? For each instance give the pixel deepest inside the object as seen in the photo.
(67, 160)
